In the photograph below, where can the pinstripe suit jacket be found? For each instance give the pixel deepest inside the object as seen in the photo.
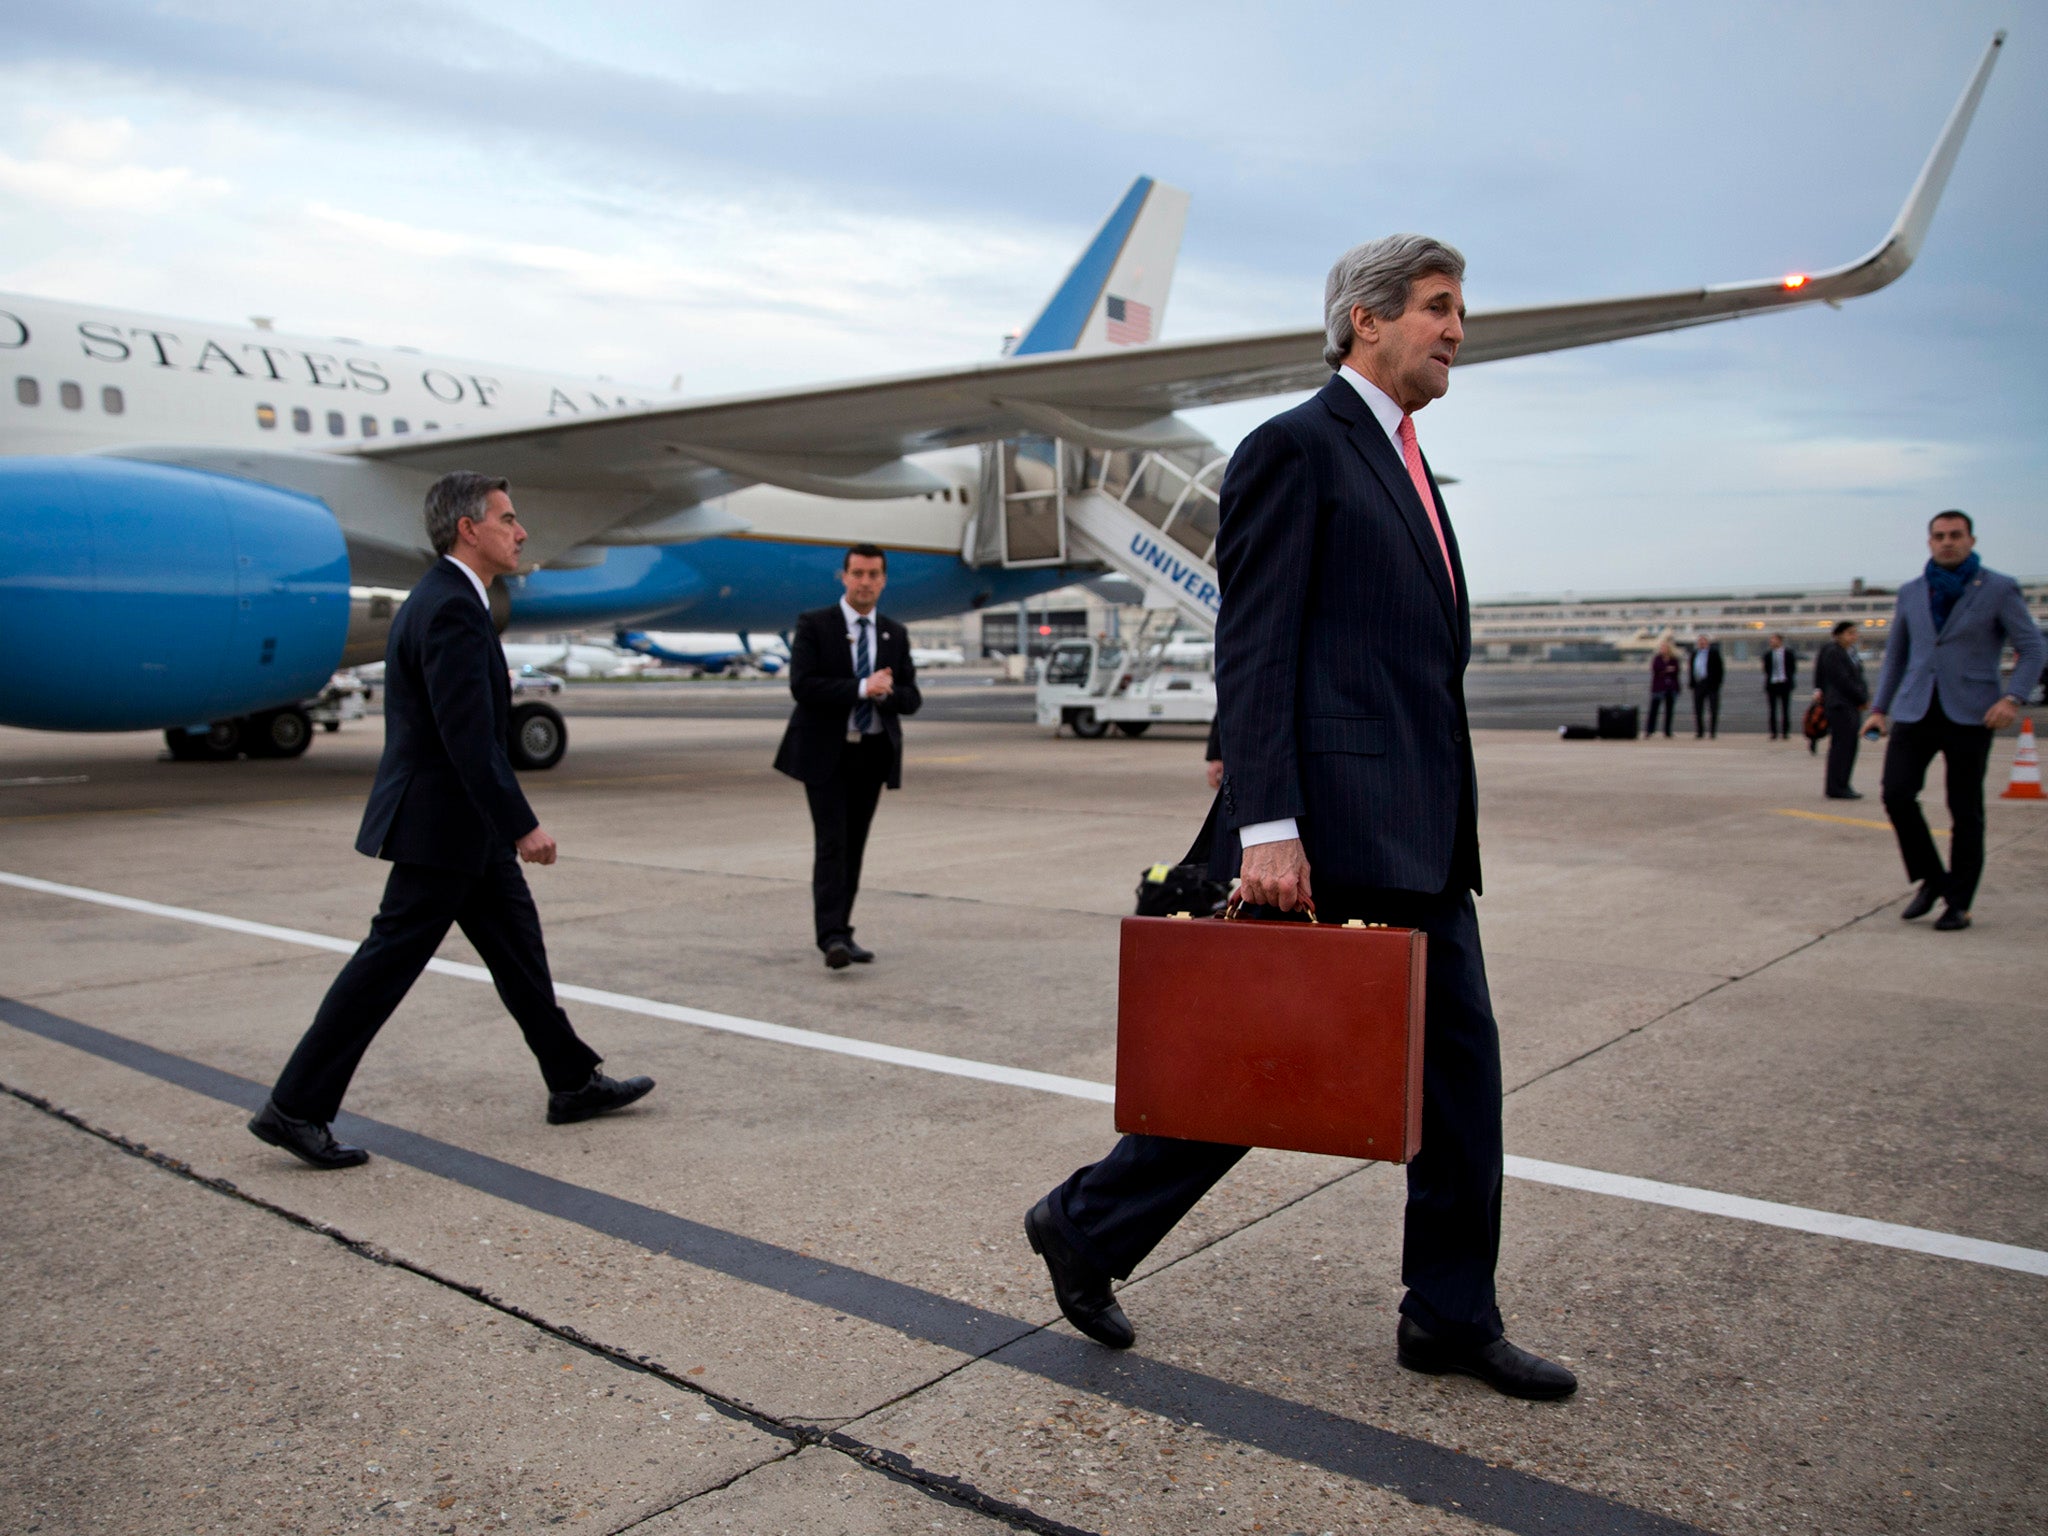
(1341, 652)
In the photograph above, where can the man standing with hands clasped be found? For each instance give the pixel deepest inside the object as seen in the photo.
(851, 675)
(1939, 692)
(1340, 659)
(448, 814)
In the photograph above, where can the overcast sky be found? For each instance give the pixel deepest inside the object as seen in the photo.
(749, 196)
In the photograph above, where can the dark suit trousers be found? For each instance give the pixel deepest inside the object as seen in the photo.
(842, 809)
(1706, 711)
(1779, 698)
(496, 914)
(1843, 720)
(1966, 750)
(1669, 704)
(1116, 1211)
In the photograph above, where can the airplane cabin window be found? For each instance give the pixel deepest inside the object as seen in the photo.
(430, 426)
(71, 396)
(302, 419)
(369, 426)
(337, 424)
(112, 401)
(266, 417)
(28, 391)
(400, 426)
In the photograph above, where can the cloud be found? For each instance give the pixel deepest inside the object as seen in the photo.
(78, 165)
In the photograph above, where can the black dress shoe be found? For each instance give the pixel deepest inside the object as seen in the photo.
(838, 955)
(1951, 920)
(307, 1140)
(1923, 899)
(858, 955)
(600, 1096)
(1081, 1289)
(1501, 1365)
(1845, 794)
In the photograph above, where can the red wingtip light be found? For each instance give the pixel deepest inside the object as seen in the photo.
(1796, 280)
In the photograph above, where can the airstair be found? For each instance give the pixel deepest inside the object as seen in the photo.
(1147, 513)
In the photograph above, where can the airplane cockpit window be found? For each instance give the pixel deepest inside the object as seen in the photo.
(266, 417)
(112, 401)
(400, 426)
(28, 391)
(302, 419)
(369, 426)
(71, 396)
(337, 424)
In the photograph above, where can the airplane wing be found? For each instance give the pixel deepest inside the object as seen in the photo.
(854, 439)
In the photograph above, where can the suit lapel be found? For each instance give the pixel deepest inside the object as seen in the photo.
(1370, 439)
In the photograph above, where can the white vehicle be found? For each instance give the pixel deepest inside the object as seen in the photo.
(1090, 685)
(344, 698)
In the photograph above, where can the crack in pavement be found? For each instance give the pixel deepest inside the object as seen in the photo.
(799, 1435)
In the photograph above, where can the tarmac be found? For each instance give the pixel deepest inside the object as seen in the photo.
(789, 1292)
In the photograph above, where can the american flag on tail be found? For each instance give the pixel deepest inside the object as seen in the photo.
(1129, 321)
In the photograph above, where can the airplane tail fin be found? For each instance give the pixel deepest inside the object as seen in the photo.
(1115, 296)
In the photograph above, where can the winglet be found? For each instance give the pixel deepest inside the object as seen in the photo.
(1896, 252)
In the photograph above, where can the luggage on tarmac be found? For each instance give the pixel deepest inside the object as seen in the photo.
(1618, 722)
(1167, 889)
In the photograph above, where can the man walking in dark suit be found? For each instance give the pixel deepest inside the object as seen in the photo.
(1781, 672)
(851, 675)
(448, 814)
(1839, 685)
(1704, 674)
(1940, 693)
(1340, 658)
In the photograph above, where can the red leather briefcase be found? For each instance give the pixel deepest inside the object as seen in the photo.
(1303, 1036)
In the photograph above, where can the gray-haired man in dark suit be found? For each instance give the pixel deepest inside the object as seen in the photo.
(1340, 662)
(1940, 693)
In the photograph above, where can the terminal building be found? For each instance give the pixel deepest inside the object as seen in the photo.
(1566, 627)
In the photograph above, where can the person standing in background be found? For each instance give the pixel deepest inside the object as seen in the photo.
(1781, 671)
(1704, 677)
(1664, 670)
(851, 675)
(1838, 684)
(1939, 692)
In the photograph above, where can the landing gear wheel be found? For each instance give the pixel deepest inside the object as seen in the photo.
(220, 742)
(538, 738)
(1134, 727)
(1086, 726)
(279, 733)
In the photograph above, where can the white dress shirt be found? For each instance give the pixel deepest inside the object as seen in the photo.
(1388, 415)
(853, 619)
(474, 580)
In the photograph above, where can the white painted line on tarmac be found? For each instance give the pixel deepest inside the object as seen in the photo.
(732, 1024)
(1861, 1229)
(1770, 1213)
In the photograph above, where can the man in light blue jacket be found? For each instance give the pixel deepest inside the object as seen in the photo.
(1940, 692)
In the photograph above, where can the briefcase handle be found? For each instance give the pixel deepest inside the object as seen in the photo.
(1233, 907)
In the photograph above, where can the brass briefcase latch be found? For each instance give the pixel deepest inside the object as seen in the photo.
(1359, 922)
(1188, 915)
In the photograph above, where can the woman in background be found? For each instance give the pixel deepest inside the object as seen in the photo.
(1664, 675)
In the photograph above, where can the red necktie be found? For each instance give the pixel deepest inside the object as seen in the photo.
(1411, 455)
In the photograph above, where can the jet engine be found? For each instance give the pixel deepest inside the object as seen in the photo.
(137, 595)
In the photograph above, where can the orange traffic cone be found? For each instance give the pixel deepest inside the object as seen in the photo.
(2026, 768)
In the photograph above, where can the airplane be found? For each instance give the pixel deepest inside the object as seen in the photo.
(706, 652)
(576, 660)
(223, 517)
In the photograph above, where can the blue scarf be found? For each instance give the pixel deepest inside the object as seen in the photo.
(1945, 587)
